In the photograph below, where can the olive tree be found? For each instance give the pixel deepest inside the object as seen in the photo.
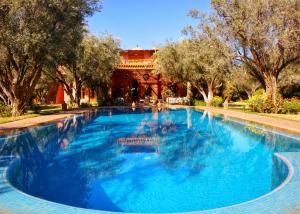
(242, 81)
(108, 56)
(264, 34)
(91, 66)
(289, 81)
(199, 60)
(33, 34)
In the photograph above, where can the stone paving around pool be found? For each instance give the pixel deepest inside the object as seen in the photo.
(25, 123)
(286, 125)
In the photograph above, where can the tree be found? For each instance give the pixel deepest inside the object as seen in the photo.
(205, 55)
(228, 92)
(4, 98)
(199, 60)
(32, 35)
(264, 34)
(41, 90)
(242, 81)
(90, 66)
(108, 55)
(289, 81)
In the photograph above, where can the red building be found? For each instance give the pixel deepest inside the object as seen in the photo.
(133, 79)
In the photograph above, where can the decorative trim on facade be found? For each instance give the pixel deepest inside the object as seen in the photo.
(147, 64)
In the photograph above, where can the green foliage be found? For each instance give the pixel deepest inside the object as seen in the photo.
(35, 35)
(35, 108)
(199, 103)
(5, 111)
(217, 101)
(166, 92)
(91, 66)
(291, 106)
(229, 89)
(242, 81)
(85, 105)
(259, 92)
(264, 35)
(257, 102)
(289, 81)
(271, 107)
(262, 103)
(200, 60)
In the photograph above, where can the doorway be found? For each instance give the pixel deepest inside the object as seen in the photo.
(135, 91)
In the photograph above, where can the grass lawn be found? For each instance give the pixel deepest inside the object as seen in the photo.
(241, 106)
(41, 110)
(295, 117)
(11, 119)
(46, 109)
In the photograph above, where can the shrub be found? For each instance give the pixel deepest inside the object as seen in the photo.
(5, 111)
(261, 103)
(291, 106)
(259, 92)
(217, 101)
(85, 105)
(199, 103)
(166, 92)
(35, 108)
(257, 102)
(269, 106)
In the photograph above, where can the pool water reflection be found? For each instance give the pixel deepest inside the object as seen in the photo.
(121, 160)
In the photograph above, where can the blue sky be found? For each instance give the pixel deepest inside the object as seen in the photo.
(146, 23)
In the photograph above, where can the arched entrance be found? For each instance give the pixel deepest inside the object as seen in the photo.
(135, 90)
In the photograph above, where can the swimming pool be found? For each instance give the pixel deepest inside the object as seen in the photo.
(121, 160)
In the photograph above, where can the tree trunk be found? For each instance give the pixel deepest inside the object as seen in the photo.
(210, 95)
(207, 98)
(18, 107)
(202, 92)
(69, 91)
(21, 97)
(226, 103)
(4, 99)
(271, 87)
(188, 90)
(249, 94)
(77, 95)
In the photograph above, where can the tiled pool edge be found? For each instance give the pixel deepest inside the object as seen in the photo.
(282, 199)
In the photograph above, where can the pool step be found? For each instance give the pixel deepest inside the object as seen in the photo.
(138, 141)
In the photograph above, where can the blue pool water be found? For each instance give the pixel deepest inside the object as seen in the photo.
(122, 160)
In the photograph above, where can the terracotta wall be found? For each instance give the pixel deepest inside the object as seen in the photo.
(123, 82)
(137, 54)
